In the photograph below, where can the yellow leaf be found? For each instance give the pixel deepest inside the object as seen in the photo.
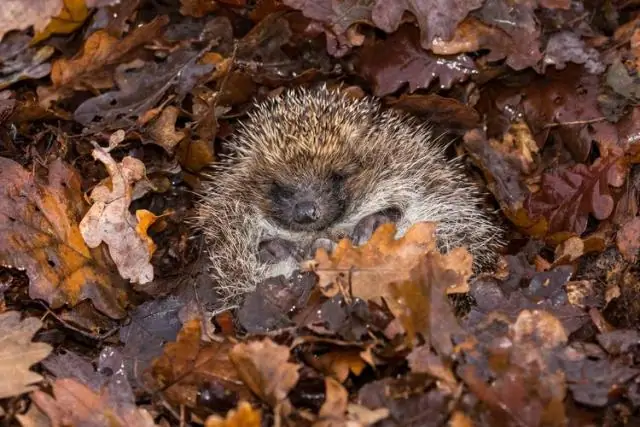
(71, 17)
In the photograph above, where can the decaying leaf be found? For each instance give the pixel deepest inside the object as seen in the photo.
(140, 90)
(188, 364)
(109, 220)
(90, 68)
(163, 130)
(40, 222)
(265, 368)
(18, 353)
(76, 404)
(20, 14)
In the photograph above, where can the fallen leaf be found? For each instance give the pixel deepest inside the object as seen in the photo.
(367, 271)
(109, 220)
(92, 67)
(19, 61)
(264, 367)
(140, 90)
(76, 404)
(20, 15)
(70, 18)
(188, 364)
(437, 19)
(244, 416)
(40, 221)
(18, 353)
(163, 130)
(628, 239)
(406, 62)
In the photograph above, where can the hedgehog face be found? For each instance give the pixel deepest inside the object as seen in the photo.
(308, 203)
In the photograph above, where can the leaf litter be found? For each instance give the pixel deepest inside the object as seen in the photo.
(542, 95)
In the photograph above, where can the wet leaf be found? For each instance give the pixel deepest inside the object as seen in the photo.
(264, 367)
(187, 365)
(41, 220)
(406, 62)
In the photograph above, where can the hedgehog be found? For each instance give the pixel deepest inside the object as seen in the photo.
(314, 165)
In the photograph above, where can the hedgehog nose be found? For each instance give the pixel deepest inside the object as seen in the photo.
(305, 212)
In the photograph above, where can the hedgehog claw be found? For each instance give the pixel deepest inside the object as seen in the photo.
(365, 228)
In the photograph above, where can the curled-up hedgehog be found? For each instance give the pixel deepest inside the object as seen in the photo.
(312, 166)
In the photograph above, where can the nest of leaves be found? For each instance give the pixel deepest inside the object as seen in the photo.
(110, 113)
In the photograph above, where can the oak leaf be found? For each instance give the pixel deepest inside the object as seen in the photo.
(368, 271)
(39, 222)
(405, 61)
(188, 364)
(76, 404)
(436, 18)
(264, 367)
(243, 416)
(20, 14)
(109, 220)
(18, 353)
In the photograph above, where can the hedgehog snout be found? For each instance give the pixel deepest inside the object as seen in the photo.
(306, 207)
(306, 212)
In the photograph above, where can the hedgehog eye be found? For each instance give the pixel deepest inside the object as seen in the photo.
(279, 191)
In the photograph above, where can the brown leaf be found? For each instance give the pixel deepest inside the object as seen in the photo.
(76, 404)
(18, 353)
(367, 271)
(405, 61)
(109, 220)
(244, 416)
(188, 364)
(70, 18)
(628, 239)
(337, 17)
(20, 15)
(264, 367)
(336, 399)
(140, 90)
(163, 130)
(92, 67)
(40, 222)
(197, 8)
(447, 112)
(437, 19)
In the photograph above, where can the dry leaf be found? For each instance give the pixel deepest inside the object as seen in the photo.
(39, 223)
(163, 130)
(20, 15)
(369, 270)
(110, 221)
(187, 364)
(70, 18)
(18, 353)
(76, 404)
(263, 366)
(244, 416)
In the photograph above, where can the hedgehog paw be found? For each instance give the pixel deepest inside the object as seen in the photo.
(365, 228)
(272, 251)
